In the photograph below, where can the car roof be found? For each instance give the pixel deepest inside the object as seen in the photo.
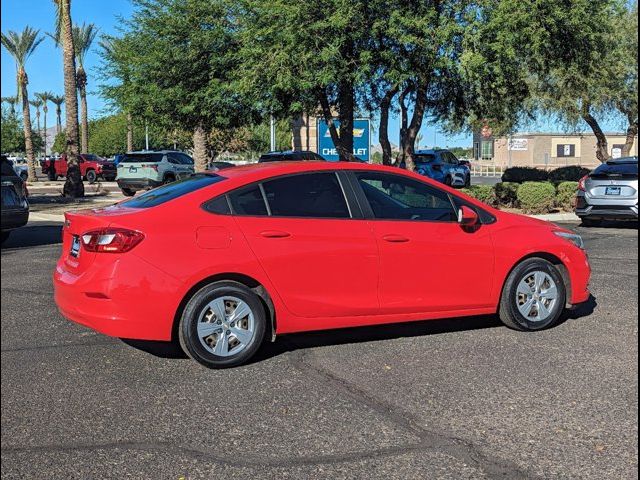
(257, 171)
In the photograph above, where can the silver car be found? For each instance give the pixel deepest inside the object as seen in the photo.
(610, 192)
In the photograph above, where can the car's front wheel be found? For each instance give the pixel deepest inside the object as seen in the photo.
(533, 297)
(91, 176)
(222, 325)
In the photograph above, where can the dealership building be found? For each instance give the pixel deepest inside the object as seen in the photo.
(544, 150)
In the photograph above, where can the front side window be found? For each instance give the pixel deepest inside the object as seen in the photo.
(317, 195)
(394, 197)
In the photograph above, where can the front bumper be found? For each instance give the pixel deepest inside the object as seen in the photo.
(138, 183)
(123, 297)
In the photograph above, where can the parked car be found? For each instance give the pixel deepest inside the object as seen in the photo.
(92, 167)
(21, 169)
(290, 156)
(15, 208)
(442, 166)
(264, 250)
(215, 166)
(145, 170)
(610, 192)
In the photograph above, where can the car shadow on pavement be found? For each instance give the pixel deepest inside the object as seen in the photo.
(615, 224)
(323, 338)
(34, 235)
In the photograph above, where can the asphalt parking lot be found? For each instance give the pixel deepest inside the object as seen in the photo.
(462, 398)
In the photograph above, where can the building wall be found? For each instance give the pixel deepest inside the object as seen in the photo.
(541, 150)
(305, 133)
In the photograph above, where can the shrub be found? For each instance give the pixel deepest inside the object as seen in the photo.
(484, 193)
(524, 174)
(536, 197)
(507, 194)
(568, 174)
(565, 199)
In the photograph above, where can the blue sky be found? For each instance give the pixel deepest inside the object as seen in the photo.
(45, 66)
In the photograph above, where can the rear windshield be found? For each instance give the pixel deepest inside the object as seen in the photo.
(173, 190)
(613, 169)
(425, 158)
(143, 158)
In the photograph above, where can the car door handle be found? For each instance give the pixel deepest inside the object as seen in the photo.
(275, 234)
(395, 239)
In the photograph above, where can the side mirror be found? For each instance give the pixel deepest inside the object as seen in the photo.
(467, 217)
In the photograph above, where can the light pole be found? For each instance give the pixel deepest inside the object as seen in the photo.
(272, 129)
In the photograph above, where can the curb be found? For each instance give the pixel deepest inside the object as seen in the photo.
(46, 217)
(558, 217)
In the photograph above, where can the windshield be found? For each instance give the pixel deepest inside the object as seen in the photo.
(173, 190)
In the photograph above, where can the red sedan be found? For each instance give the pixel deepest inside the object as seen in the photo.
(221, 260)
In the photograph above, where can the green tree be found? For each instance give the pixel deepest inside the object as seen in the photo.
(83, 37)
(172, 66)
(13, 134)
(45, 98)
(21, 46)
(12, 101)
(59, 142)
(581, 60)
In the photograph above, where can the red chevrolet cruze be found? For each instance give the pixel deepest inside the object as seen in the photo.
(221, 260)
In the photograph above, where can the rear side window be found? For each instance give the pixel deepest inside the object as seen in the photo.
(425, 158)
(142, 158)
(248, 201)
(616, 170)
(173, 190)
(317, 195)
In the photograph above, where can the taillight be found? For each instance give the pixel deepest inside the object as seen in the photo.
(111, 240)
(582, 183)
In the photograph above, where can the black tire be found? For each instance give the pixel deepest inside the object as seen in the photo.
(591, 222)
(168, 179)
(467, 181)
(448, 181)
(4, 235)
(127, 192)
(51, 174)
(509, 313)
(187, 329)
(91, 176)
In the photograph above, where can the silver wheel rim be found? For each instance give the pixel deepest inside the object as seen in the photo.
(225, 326)
(537, 296)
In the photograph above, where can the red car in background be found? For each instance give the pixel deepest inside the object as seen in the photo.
(281, 247)
(92, 167)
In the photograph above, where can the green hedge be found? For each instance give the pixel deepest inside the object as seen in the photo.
(507, 194)
(524, 174)
(568, 174)
(566, 196)
(484, 193)
(536, 197)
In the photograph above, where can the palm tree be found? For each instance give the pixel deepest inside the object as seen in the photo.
(21, 46)
(37, 104)
(58, 100)
(73, 186)
(12, 103)
(83, 37)
(45, 98)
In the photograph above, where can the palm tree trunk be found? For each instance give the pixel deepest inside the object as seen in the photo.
(73, 186)
(28, 140)
(38, 127)
(129, 133)
(200, 156)
(58, 119)
(84, 138)
(45, 110)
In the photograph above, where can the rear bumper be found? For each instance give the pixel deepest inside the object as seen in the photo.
(14, 218)
(138, 183)
(606, 208)
(123, 297)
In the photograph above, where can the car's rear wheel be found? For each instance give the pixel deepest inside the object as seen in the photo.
(127, 192)
(91, 176)
(533, 297)
(448, 181)
(222, 325)
(168, 179)
(24, 176)
(51, 174)
(467, 181)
